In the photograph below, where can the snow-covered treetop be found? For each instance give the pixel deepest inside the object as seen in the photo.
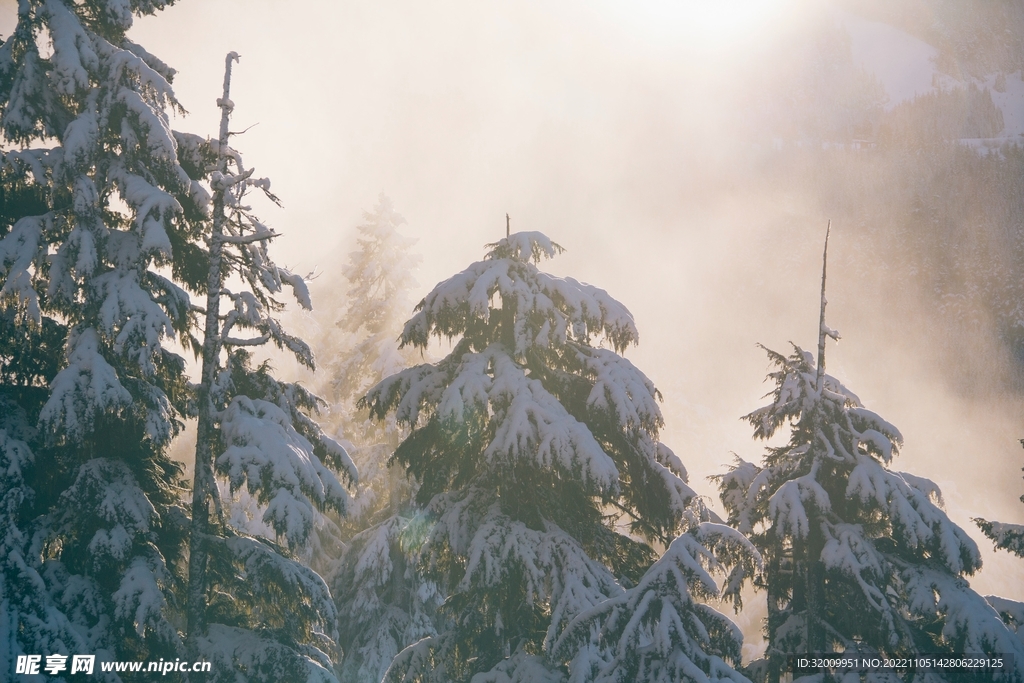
(537, 417)
(837, 450)
(525, 246)
(895, 562)
(529, 371)
(797, 401)
(560, 309)
(535, 447)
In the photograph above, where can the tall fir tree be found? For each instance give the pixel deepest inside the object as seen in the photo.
(254, 610)
(536, 448)
(386, 601)
(97, 209)
(380, 275)
(859, 558)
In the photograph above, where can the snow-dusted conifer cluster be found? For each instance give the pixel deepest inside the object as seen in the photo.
(109, 234)
(516, 493)
(534, 446)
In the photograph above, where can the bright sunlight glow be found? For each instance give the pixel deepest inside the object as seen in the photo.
(705, 24)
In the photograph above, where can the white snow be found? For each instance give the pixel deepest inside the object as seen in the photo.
(656, 631)
(73, 51)
(969, 620)
(243, 654)
(279, 467)
(905, 65)
(139, 598)
(19, 250)
(1011, 103)
(88, 384)
(562, 308)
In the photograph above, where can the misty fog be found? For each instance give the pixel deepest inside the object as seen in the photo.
(688, 156)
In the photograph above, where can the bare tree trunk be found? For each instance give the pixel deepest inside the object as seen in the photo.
(204, 485)
(815, 570)
(775, 597)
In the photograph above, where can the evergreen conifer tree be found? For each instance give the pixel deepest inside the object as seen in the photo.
(859, 558)
(386, 601)
(96, 204)
(535, 449)
(377, 302)
(254, 610)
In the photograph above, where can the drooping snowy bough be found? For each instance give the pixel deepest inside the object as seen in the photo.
(1009, 537)
(535, 448)
(859, 558)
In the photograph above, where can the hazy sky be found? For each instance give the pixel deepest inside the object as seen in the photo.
(621, 130)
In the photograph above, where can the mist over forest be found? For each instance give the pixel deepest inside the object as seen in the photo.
(687, 156)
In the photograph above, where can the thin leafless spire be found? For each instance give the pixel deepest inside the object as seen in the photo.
(823, 329)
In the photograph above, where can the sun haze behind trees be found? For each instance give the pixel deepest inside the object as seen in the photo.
(386, 600)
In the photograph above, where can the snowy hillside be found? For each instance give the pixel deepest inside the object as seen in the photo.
(907, 67)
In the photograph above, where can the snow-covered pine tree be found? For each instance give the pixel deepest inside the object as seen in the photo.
(1009, 537)
(254, 610)
(535, 449)
(96, 204)
(387, 604)
(859, 558)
